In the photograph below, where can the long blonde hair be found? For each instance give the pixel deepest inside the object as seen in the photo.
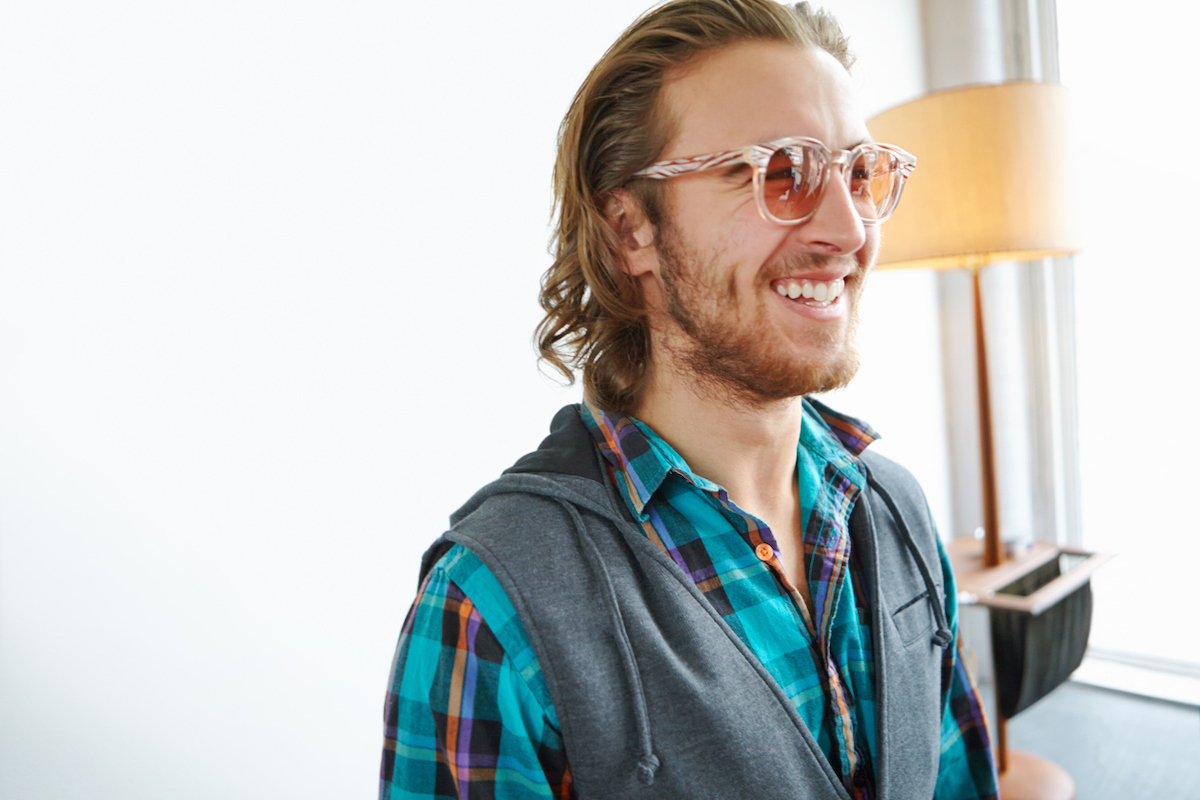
(595, 315)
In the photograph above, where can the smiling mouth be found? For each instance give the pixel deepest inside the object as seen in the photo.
(817, 294)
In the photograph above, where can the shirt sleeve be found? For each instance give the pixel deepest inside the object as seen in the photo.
(967, 769)
(468, 713)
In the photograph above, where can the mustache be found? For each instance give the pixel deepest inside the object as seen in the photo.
(800, 263)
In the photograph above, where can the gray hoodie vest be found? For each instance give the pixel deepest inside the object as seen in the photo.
(655, 693)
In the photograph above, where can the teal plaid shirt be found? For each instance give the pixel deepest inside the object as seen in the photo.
(469, 714)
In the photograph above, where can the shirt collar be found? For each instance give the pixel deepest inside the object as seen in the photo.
(641, 460)
(851, 433)
(629, 447)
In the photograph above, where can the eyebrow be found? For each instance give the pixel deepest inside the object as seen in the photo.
(869, 139)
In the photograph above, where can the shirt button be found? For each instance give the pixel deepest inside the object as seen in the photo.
(764, 552)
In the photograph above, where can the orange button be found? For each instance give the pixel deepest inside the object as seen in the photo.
(764, 552)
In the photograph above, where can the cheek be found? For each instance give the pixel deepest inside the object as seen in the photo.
(730, 223)
(865, 254)
(870, 250)
(754, 244)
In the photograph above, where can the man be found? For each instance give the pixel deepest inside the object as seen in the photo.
(701, 585)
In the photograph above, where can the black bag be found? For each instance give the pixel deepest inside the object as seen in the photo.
(1034, 654)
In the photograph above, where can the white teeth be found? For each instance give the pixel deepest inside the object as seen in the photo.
(823, 292)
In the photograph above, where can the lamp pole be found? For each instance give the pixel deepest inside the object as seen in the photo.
(993, 550)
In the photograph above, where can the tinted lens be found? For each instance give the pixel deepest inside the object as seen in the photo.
(875, 180)
(792, 182)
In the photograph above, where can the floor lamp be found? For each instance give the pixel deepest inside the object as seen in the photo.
(993, 184)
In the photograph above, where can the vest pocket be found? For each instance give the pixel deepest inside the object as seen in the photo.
(913, 618)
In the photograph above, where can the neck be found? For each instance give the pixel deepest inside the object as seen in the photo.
(749, 449)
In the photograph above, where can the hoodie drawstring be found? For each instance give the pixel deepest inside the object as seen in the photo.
(942, 636)
(648, 762)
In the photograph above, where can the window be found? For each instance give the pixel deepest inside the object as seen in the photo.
(1138, 328)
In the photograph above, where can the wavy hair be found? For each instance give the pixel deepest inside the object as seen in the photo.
(595, 314)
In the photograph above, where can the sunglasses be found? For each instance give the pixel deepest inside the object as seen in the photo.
(790, 176)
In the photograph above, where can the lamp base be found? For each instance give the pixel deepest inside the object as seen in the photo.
(1031, 777)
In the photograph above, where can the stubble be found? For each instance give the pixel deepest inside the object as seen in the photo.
(734, 360)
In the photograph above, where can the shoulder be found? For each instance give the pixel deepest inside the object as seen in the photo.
(891, 474)
(893, 487)
(468, 577)
(464, 662)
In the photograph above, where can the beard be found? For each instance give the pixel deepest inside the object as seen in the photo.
(733, 352)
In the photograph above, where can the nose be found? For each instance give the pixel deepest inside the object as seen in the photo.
(835, 227)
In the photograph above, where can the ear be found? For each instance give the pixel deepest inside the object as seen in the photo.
(634, 232)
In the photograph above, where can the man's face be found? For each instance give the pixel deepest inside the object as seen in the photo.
(718, 265)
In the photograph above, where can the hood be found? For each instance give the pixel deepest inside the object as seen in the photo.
(566, 466)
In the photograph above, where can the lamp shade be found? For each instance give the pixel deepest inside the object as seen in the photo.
(992, 181)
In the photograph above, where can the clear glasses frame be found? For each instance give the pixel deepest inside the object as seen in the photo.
(758, 156)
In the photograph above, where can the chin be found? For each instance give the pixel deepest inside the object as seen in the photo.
(743, 372)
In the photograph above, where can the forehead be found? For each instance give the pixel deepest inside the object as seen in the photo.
(755, 92)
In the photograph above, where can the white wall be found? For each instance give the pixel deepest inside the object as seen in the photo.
(263, 267)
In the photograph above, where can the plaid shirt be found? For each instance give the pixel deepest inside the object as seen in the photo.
(469, 713)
